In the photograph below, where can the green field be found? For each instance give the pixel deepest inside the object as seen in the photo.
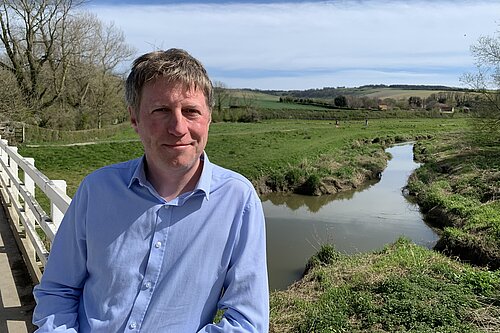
(255, 149)
(260, 100)
(399, 93)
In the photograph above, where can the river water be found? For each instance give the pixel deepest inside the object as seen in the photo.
(355, 221)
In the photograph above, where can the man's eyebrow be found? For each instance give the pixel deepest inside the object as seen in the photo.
(161, 106)
(191, 105)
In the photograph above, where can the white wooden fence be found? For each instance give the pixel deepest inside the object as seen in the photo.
(33, 228)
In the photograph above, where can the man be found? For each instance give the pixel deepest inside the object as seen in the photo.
(160, 243)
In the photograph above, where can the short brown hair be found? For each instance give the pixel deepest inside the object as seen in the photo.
(176, 65)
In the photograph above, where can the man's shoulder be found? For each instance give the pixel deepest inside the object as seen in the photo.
(225, 177)
(122, 170)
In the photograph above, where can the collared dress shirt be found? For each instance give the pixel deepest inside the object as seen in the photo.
(125, 260)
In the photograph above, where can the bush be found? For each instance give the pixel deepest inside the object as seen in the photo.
(311, 185)
(325, 256)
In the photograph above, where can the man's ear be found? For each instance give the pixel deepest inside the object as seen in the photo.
(133, 118)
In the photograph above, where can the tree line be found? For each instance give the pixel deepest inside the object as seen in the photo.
(329, 92)
(437, 100)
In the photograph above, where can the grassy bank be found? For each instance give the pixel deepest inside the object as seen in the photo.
(403, 288)
(458, 188)
(406, 288)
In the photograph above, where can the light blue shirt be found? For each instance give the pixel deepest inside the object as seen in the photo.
(125, 260)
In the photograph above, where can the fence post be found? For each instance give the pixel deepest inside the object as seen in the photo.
(20, 133)
(5, 178)
(14, 169)
(56, 213)
(30, 187)
(30, 216)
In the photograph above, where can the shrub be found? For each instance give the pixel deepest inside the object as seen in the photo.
(311, 185)
(325, 256)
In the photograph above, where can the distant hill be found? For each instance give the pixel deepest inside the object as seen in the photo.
(381, 91)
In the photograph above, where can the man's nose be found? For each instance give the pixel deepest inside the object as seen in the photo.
(177, 124)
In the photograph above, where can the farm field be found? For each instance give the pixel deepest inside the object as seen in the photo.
(398, 93)
(263, 100)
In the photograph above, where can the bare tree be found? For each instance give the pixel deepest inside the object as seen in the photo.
(34, 37)
(11, 102)
(486, 80)
(247, 100)
(58, 55)
(98, 89)
(221, 95)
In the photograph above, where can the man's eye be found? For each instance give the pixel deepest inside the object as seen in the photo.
(160, 110)
(192, 111)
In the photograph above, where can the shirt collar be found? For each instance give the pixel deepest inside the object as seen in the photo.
(206, 176)
(139, 174)
(203, 184)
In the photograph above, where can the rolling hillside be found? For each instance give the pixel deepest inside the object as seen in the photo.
(371, 91)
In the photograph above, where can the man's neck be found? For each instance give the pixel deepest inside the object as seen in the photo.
(170, 184)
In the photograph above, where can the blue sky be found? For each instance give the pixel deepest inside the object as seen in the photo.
(312, 44)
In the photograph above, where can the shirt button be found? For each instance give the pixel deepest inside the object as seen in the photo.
(147, 285)
(133, 325)
(158, 245)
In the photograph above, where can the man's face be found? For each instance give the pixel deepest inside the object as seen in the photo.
(172, 123)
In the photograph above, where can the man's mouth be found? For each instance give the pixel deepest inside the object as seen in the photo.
(178, 145)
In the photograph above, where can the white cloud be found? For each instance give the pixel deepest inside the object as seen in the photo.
(330, 36)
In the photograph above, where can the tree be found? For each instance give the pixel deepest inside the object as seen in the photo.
(49, 50)
(34, 35)
(98, 90)
(11, 103)
(340, 101)
(415, 101)
(221, 95)
(247, 100)
(486, 81)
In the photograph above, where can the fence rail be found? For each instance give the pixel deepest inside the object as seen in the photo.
(33, 228)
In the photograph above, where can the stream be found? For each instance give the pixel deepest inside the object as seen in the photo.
(362, 220)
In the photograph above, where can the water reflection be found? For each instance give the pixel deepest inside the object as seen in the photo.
(356, 221)
(312, 203)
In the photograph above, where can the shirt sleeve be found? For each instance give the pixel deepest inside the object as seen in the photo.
(245, 300)
(58, 294)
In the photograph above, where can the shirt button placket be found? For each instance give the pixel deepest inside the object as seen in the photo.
(133, 325)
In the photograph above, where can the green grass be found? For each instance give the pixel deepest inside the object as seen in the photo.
(398, 93)
(72, 163)
(259, 100)
(404, 288)
(254, 149)
(458, 188)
